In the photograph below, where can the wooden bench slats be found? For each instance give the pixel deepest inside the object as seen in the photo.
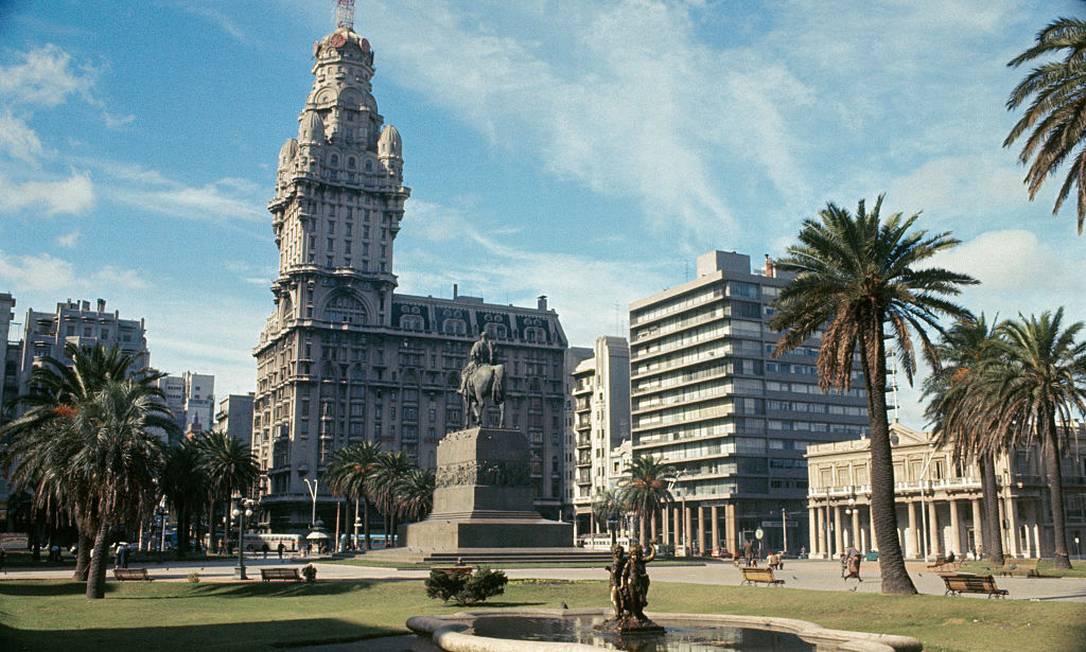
(760, 576)
(958, 583)
(131, 574)
(291, 573)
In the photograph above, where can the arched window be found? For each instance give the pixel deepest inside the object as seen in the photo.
(369, 165)
(412, 323)
(345, 309)
(454, 327)
(333, 160)
(352, 162)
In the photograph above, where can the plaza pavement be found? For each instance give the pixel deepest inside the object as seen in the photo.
(806, 574)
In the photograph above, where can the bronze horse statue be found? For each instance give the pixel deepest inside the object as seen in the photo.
(485, 383)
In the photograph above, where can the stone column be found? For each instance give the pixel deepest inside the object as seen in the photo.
(821, 531)
(652, 529)
(838, 546)
(934, 548)
(714, 514)
(872, 542)
(856, 528)
(699, 545)
(1012, 527)
(664, 513)
(687, 526)
(576, 521)
(812, 524)
(978, 529)
(912, 547)
(955, 530)
(731, 531)
(677, 534)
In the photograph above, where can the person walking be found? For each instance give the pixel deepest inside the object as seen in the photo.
(280, 548)
(748, 552)
(264, 549)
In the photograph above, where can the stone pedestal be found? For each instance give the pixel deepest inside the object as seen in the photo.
(483, 497)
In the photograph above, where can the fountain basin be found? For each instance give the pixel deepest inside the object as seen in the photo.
(571, 630)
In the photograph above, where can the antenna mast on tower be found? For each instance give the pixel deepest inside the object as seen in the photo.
(345, 14)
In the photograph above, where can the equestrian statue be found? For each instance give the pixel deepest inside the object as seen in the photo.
(482, 381)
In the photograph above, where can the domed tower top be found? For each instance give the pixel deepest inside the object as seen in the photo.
(390, 145)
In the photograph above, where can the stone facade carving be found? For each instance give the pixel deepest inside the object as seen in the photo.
(486, 473)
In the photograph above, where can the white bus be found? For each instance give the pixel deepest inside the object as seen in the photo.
(291, 542)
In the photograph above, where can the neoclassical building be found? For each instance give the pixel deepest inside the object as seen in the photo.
(938, 500)
(343, 358)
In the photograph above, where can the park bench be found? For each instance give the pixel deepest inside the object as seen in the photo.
(269, 574)
(959, 583)
(131, 574)
(1019, 567)
(754, 576)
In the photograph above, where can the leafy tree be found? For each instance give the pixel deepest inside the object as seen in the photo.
(1056, 95)
(415, 495)
(644, 490)
(348, 474)
(962, 410)
(36, 440)
(1041, 384)
(229, 467)
(383, 486)
(185, 486)
(607, 506)
(119, 460)
(856, 276)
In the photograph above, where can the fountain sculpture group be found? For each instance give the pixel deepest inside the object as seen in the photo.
(629, 591)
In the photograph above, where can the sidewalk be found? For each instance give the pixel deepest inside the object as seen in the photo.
(806, 574)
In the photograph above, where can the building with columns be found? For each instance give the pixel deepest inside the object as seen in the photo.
(601, 394)
(710, 398)
(343, 357)
(938, 500)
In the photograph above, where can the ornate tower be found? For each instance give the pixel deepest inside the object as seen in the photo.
(339, 199)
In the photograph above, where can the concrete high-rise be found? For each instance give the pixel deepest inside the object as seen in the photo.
(235, 417)
(78, 323)
(344, 358)
(602, 423)
(9, 369)
(709, 397)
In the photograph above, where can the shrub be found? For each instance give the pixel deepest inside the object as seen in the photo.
(309, 572)
(194, 577)
(465, 589)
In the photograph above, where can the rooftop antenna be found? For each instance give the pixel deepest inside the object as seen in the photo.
(345, 14)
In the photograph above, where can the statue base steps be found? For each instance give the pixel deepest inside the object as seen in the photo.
(491, 556)
(629, 625)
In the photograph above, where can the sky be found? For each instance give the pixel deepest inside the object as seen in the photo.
(586, 151)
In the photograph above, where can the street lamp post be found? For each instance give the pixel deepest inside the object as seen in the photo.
(829, 526)
(243, 510)
(312, 486)
(162, 524)
(784, 529)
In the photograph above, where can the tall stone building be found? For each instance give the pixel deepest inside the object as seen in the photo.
(9, 369)
(344, 358)
(235, 417)
(602, 422)
(709, 397)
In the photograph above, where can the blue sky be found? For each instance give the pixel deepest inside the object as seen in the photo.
(587, 151)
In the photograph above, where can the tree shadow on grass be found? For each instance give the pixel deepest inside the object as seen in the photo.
(267, 635)
(46, 588)
(257, 590)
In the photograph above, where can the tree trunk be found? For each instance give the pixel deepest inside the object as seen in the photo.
(989, 496)
(641, 528)
(182, 533)
(96, 577)
(211, 526)
(1051, 448)
(392, 529)
(82, 555)
(366, 521)
(895, 578)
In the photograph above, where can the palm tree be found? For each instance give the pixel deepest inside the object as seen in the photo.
(607, 506)
(57, 391)
(185, 486)
(1041, 383)
(856, 275)
(120, 460)
(415, 496)
(229, 467)
(347, 475)
(1056, 93)
(645, 489)
(962, 410)
(382, 484)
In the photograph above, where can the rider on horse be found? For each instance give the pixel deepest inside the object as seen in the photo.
(482, 352)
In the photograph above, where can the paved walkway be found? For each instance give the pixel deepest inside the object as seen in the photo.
(806, 574)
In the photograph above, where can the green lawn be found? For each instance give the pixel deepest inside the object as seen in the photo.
(1044, 569)
(182, 616)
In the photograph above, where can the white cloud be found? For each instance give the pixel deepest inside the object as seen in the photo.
(45, 76)
(969, 186)
(46, 273)
(584, 290)
(73, 195)
(17, 139)
(69, 239)
(219, 19)
(114, 121)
